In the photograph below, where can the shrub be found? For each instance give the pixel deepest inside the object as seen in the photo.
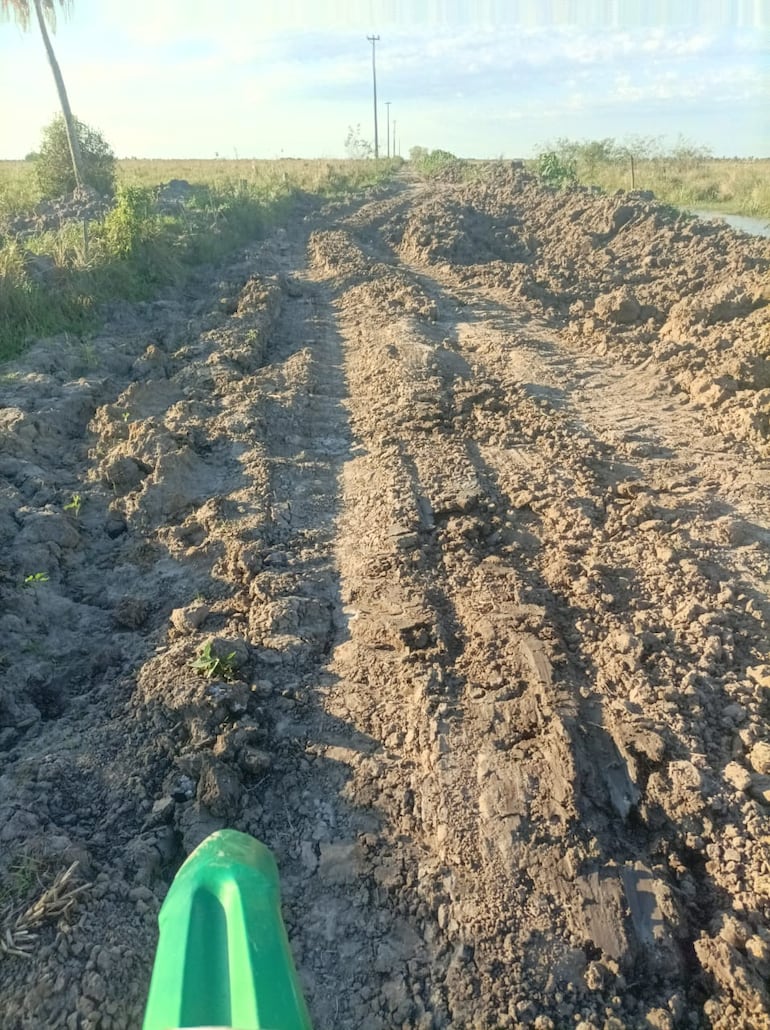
(432, 162)
(131, 222)
(356, 147)
(54, 162)
(556, 171)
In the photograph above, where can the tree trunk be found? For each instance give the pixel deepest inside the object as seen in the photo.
(69, 121)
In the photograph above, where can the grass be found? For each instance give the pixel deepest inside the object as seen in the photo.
(731, 187)
(19, 191)
(134, 250)
(685, 176)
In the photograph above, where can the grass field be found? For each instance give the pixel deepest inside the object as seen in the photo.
(19, 191)
(732, 187)
(134, 250)
(684, 175)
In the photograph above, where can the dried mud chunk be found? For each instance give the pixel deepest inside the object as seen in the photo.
(258, 294)
(652, 913)
(195, 824)
(602, 920)
(713, 392)
(622, 215)
(619, 306)
(759, 757)
(760, 788)
(18, 433)
(49, 527)
(115, 525)
(180, 480)
(187, 620)
(760, 674)
(131, 612)
(124, 474)
(659, 1019)
(736, 979)
(505, 793)
(338, 862)
(737, 776)
(219, 789)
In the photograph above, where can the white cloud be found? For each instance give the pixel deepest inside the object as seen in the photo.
(177, 77)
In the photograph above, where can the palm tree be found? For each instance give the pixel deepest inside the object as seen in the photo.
(45, 10)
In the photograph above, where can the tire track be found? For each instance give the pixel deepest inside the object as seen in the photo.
(598, 751)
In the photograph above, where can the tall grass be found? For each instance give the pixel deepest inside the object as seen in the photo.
(135, 249)
(684, 175)
(732, 187)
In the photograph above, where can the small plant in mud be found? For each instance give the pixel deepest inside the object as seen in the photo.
(21, 876)
(34, 578)
(74, 505)
(211, 665)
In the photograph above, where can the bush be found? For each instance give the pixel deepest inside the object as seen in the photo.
(131, 222)
(556, 171)
(53, 165)
(432, 162)
(356, 147)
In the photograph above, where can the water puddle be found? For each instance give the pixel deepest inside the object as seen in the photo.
(755, 226)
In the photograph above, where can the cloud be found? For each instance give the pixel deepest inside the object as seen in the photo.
(178, 77)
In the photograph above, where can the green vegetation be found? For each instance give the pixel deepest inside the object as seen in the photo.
(53, 163)
(211, 665)
(555, 170)
(684, 175)
(34, 578)
(432, 162)
(21, 876)
(53, 282)
(75, 505)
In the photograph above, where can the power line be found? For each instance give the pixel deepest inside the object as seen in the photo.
(373, 40)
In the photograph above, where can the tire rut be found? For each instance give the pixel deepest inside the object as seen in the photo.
(491, 614)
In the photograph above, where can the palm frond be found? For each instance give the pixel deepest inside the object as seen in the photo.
(16, 10)
(20, 11)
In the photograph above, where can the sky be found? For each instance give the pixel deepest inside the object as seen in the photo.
(490, 78)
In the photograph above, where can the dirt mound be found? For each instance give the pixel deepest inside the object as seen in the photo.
(83, 204)
(367, 545)
(461, 234)
(622, 275)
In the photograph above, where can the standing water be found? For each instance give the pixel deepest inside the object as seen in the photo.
(755, 226)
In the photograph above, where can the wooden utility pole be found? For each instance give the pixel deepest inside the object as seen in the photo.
(394, 138)
(387, 131)
(373, 40)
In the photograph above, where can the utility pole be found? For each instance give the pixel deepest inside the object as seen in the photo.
(394, 137)
(373, 40)
(387, 131)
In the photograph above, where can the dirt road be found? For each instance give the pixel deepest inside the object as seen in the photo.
(470, 485)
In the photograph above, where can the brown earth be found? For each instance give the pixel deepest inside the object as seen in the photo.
(472, 481)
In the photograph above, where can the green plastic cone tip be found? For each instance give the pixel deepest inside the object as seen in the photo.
(223, 958)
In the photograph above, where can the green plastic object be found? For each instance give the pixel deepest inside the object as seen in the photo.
(223, 957)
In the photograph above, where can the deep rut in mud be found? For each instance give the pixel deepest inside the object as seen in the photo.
(487, 544)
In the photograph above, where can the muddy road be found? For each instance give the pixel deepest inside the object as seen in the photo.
(468, 487)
